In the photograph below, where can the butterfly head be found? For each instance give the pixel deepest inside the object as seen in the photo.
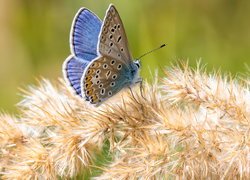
(138, 63)
(135, 71)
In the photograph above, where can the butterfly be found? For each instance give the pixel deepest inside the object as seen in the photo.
(100, 64)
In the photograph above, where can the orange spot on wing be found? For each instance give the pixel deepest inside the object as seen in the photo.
(95, 98)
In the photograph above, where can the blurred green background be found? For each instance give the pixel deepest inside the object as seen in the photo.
(34, 36)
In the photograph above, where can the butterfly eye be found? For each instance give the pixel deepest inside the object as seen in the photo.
(137, 63)
(111, 36)
(112, 62)
(111, 44)
(118, 26)
(97, 76)
(98, 82)
(101, 85)
(121, 49)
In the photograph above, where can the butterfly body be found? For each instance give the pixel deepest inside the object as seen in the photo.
(101, 64)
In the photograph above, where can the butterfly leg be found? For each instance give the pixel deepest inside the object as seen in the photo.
(133, 95)
(141, 87)
(140, 81)
(142, 90)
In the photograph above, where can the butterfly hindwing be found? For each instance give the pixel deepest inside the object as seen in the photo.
(112, 39)
(73, 71)
(103, 78)
(84, 34)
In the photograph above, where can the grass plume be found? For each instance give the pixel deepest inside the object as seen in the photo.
(190, 124)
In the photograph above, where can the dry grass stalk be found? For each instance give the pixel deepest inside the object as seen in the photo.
(189, 125)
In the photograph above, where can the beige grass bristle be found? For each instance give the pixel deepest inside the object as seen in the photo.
(189, 125)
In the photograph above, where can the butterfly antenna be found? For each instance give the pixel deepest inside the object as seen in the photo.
(163, 45)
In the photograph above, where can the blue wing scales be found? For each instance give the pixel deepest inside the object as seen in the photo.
(84, 34)
(73, 71)
(83, 41)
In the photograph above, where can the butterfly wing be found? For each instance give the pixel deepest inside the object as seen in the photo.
(103, 78)
(114, 69)
(83, 41)
(112, 39)
(73, 69)
(84, 34)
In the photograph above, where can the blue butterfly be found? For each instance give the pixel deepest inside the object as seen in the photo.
(100, 64)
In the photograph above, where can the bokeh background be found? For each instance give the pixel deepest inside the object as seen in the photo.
(34, 36)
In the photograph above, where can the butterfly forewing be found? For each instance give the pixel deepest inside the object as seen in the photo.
(83, 41)
(103, 78)
(84, 34)
(112, 39)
